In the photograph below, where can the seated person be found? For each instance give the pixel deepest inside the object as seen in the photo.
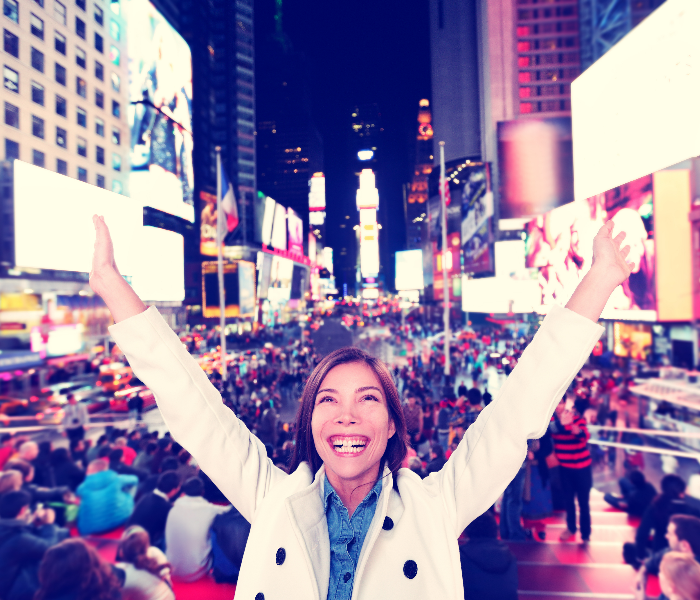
(229, 535)
(489, 569)
(187, 539)
(146, 569)
(24, 538)
(151, 511)
(117, 464)
(107, 498)
(144, 458)
(637, 494)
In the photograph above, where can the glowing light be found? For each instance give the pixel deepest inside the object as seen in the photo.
(365, 155)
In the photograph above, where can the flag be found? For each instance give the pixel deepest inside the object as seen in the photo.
(228, 203)
(446, 184)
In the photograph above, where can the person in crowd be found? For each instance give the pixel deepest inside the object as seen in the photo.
(144, 459)
(43, 473)
(462, 389)
(24, 538)
(28, 451)
(92, 453)
(537, 494)
(350, 443)
(135, 406)
(637, 494)
(570, 437)
(267, 428)
(512, 508)
(129, 454)
(679, 577)
(413, 414)
(116, 464)
(229, 535)
(186, 470)
(134, 440)
(75, 418)
(151, 511)
(444, 417)
(106, 498)
(474, 407)
(72, 570)
(489, 569)
(6, 449)
(146, 568)
(163, 451)
(66, 473)
(187, 539)
(37, 493)
(151, 482)
(78, 452)
(416, 465)
(10, 481)
(437, 459)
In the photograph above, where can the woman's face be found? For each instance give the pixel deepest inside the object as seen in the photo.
(350, 422)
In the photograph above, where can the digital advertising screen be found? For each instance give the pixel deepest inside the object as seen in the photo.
(477, 219)
(633, 340)
(536, 165)
(268, 220)
(295, 226)
(160, 276)
(299, 282)
(53, 222)
(317, 192)
(560, 245)
(278, 238)
(264, 268)
(160, 112)
(246, 289)
(280, 280)
(239, 289)
(409, 270)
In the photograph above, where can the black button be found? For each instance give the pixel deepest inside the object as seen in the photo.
(347, 577)
(259, 596)
(410, 569)
(388, 524)
(280, 556)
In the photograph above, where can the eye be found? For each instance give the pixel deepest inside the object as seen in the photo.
(325, 399)
(370, 397)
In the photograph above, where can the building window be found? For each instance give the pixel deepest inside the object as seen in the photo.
(81, 87)
(101, 181)
(116, 162)
(11, 43)
(99, 15)
(38, 158)
(116, 137)
(116, 8)
(61, 106)
(82, 117)
(61, 137)
(11, 115)
(115, 30)
(99, 99)
(37, 93)
(80, 27)
(116, 82)
(11, 149)
(59, 12)
(82, 174)
(37, 127)
(80, 4)
(61, 167)
(82, 147)
(80, 58)
(60, 43)
(116, 184)
(99, 43)
(37, 26)
(116, 109)
(100, 154)
(11, 10)
(37, 60)
(99, 127)
(11, 80)
(99, 71)
(40, 3)
(114, 55)
(60, 74)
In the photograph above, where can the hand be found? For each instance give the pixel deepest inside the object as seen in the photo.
(44, 516)
(609, 256)
(103, 262)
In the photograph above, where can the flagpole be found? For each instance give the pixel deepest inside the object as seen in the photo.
(219, 246)
(445, 284)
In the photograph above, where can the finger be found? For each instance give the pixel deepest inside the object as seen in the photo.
(619, 238)
(631, 266)
(625, 251)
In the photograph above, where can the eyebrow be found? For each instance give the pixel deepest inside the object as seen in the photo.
(357, 391)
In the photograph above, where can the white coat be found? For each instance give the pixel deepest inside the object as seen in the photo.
(410, 550)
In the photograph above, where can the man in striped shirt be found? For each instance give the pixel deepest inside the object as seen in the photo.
(570, 436)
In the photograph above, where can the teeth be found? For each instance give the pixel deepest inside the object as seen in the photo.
(349, 445)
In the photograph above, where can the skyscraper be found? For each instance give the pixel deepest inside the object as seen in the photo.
(417, 192)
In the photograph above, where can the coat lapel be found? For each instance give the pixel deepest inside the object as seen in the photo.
(308, 519)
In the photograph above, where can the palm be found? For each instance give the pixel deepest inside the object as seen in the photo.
(609, 254)
(103, 254)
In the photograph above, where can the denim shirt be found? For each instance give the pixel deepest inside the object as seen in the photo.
(346, 537)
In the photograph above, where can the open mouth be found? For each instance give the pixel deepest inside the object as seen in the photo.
(348, 445)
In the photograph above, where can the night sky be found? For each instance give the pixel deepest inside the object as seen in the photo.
(365, 51)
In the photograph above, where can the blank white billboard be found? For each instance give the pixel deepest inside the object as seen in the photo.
(409, 270)
(160, 276)
(635, 111)
(53, 221)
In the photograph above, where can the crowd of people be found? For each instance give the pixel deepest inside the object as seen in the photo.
(177, 525)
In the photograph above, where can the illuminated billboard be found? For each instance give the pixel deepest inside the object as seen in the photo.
(477, 237)
(560, 245)
(295, 227)
(278, 238)
(369, 243)
(239, 289)
(268, 219)
(280, 288)
(536, 166)
(53, 222)
(317, 192)
(160, 276)
(264, 267)
(367, 195)
(409, 270)
(160, 112)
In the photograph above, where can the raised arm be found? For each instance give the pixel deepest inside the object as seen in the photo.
(494, 447)
(227, 452)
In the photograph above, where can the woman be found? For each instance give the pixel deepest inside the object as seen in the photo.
(146, 567)
(72, 570)
(346, 521)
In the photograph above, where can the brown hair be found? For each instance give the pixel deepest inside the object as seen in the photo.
(133, 548)
(73, 567)
(10, 481)
(683, 573)
(305, 449)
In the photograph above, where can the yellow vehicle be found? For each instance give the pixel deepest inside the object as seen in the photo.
(114, 379)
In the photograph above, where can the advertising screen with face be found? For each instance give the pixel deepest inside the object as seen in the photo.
(560, 244)
(296, 232)
(160, 112)
(536, 165)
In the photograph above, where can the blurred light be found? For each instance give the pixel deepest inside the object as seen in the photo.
(365, 155)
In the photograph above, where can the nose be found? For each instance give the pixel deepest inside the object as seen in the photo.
(347, 414)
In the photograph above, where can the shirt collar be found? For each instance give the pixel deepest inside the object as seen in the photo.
(330, 493)
(157, 492)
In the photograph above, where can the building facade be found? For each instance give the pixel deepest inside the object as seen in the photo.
(416, 206)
